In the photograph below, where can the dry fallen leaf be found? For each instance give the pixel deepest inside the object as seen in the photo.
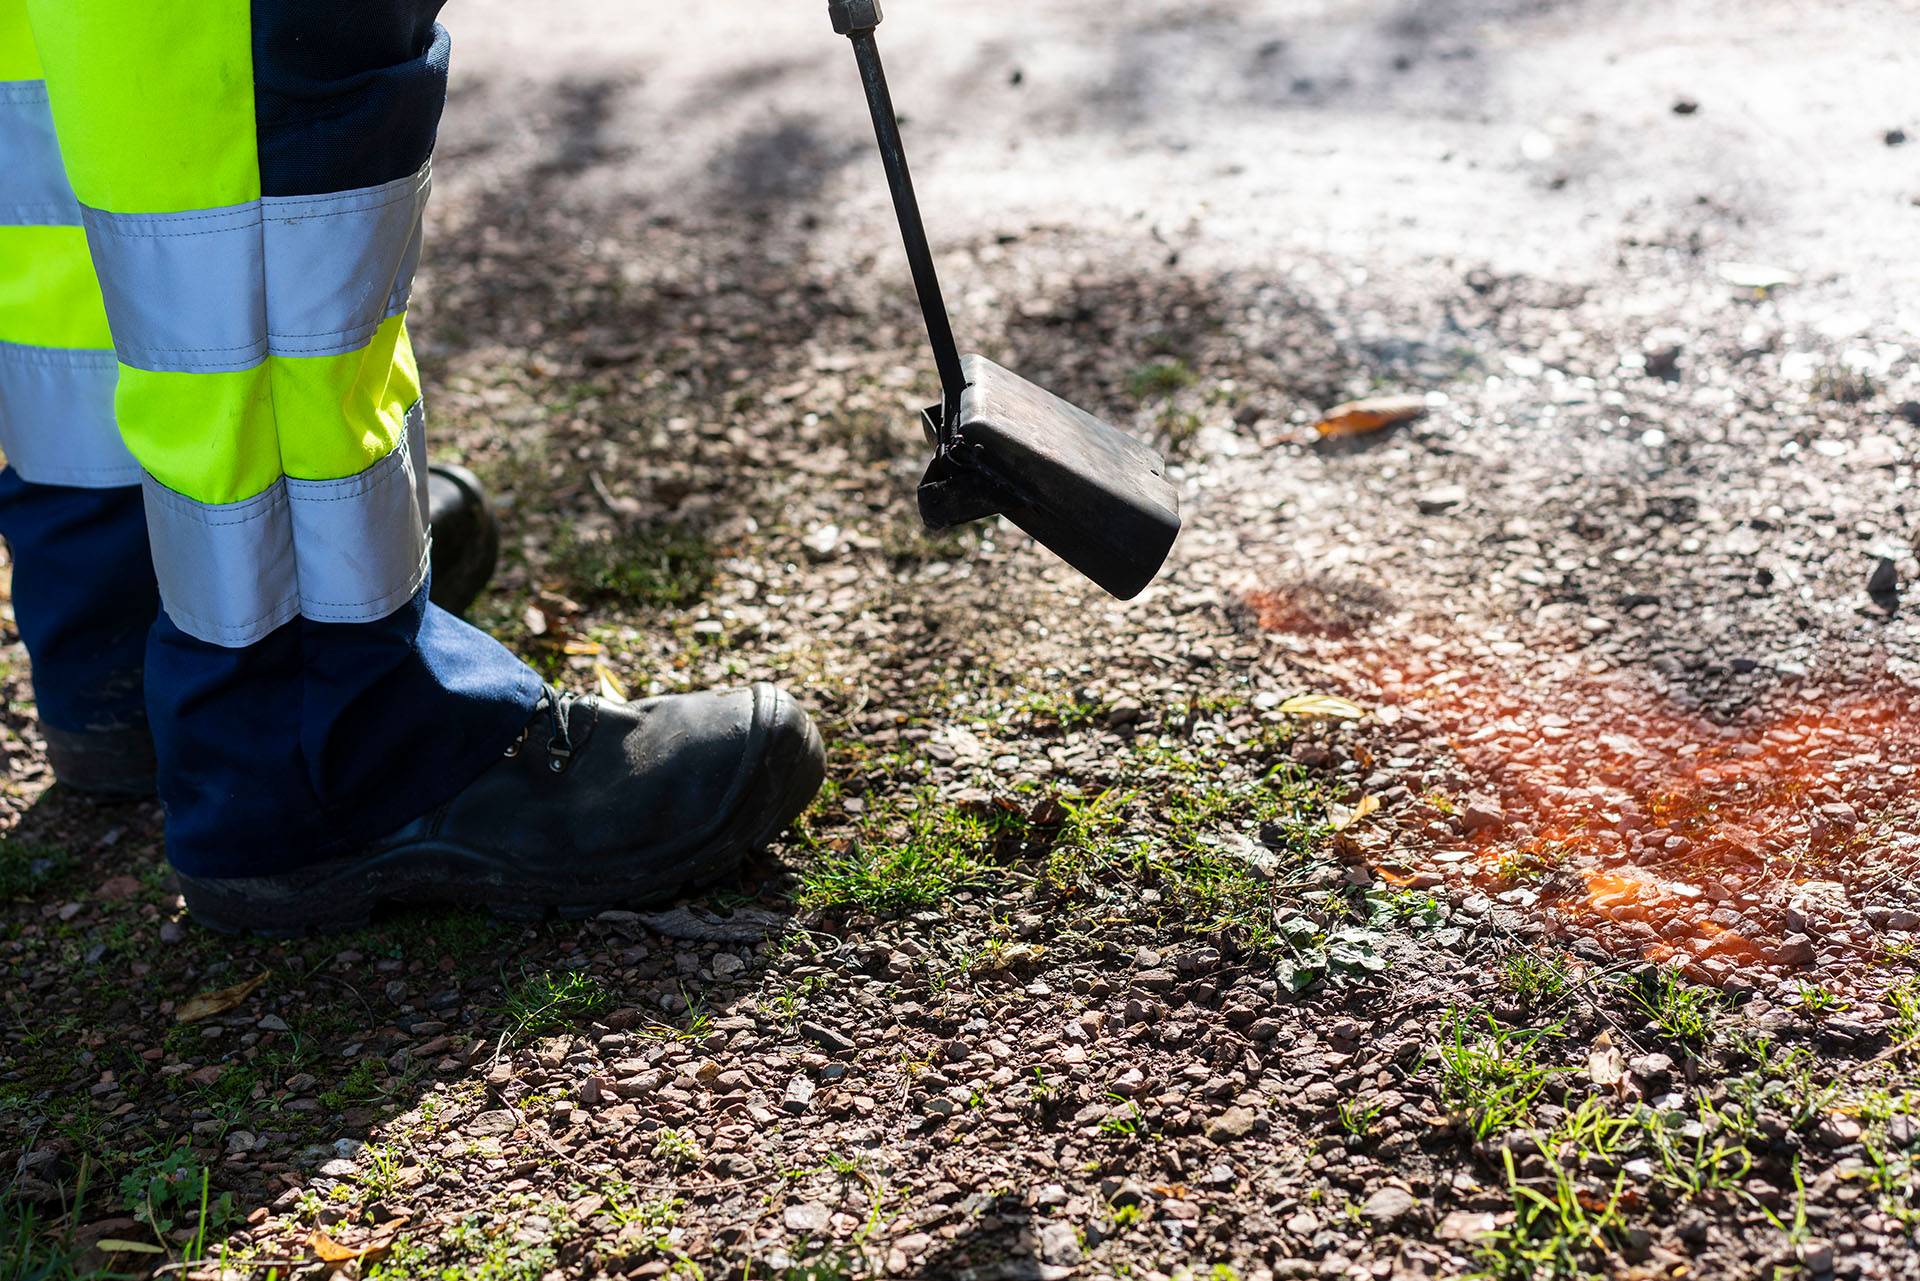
(1358, 417)
(328, 1250)
(1322, 707)
(1008, 957)
(610, 686)
(208, 1004)
(1606, 1066)
(1756, 275)
(1344, 816)
(114, 1245)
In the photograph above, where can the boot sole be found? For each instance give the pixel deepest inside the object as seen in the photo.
(330, 898)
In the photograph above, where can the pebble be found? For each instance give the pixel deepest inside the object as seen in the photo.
(1482, 811)
(489, 1124)
(1885, 578)
(1060, 1245)
(1234, 1123)
(1155, 980)
(1436, 501)
(799, 1094)
(827, 1039)
(1466, 1225)
(1388, 1204)
(1795, 949)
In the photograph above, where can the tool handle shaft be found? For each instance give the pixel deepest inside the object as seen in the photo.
(926, 282)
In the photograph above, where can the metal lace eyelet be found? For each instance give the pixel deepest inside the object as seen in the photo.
(555, 764)
(513, 748)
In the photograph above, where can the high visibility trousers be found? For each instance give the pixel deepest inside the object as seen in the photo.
(210, 215)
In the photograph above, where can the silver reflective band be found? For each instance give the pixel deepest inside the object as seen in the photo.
(56, 417)
(184, 291)
(218, 290)
(226, 570)
(360, 544)
(336, 551)
(362, 246)
(34, 191)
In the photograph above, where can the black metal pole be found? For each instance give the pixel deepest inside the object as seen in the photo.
(893, 153)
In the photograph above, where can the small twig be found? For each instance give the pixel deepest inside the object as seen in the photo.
(251, 1265)
(364, 1003)
(1892, 1051)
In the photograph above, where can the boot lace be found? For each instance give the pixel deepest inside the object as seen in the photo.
(557, 704)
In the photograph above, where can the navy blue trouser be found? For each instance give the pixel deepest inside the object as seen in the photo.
(316, 736)
(320, 737)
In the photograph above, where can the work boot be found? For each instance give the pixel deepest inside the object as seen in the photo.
(466, 536)
(119, 763)
(113, 764)
(597, 804)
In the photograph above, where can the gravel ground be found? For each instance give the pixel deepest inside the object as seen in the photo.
(1484, 851)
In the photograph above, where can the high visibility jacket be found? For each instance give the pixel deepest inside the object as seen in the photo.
(204, 274)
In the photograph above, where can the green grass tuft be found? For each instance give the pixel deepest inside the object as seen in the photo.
(29, 868)
(1161, 378)
(546, 1002)
(910, 857)
(666, 567)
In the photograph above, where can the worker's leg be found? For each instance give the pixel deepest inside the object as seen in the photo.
(251, 179)
(84, 600)
(70, 509)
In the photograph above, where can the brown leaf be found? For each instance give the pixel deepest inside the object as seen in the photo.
(1048, 812)
(1606, 1066)
(1322, 707)
(208, 1004)
(1358, 417)
(1342, 817)
(328, 1250)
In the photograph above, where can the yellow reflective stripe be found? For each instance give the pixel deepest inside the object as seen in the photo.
(226, 437)
(340, 414)
(18, 61)
(208, 436)
(48, 294)
(153, 101)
